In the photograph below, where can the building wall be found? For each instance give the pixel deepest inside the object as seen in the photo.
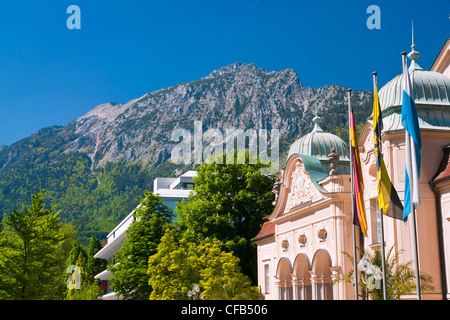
(302, 269)
(398, 233)
(443, 194)
(314, 263)
(442, 65)
(306, 253)
(442, 62)
(294, 263)
(267, 263)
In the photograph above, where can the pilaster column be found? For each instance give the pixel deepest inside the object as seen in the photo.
(294, 288)
(335, 275)
(320, 283)
(314, 286)
(299, 289)
(283, 289)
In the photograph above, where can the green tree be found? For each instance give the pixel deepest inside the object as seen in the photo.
(86, 289)
(61, 254)
(75, 253)
(229, 204)
(86, 292)
(173, 269)
(221, 272)
(77, 256)
(179, 266)
(130, 277)
(94, 265)
(83, 285)
(30, 267)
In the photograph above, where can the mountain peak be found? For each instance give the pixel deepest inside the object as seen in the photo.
(250, 69)
(234, 67)
(238, 95)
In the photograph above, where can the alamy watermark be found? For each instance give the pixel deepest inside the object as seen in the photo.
(374, 21)
(74, 20)
(74, 280)
(256, 141)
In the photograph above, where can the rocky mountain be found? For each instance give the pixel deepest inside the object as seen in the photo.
(122, 147)
(236, 96)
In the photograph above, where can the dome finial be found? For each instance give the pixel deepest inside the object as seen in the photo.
(316, 121)
(414, 55)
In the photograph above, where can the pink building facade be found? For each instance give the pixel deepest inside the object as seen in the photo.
(302, 243)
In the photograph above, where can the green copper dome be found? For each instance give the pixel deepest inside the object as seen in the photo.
(431, 88)
(319, 144)
(431, 96)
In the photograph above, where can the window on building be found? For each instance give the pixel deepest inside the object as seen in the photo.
(267, 279)
(185, 186)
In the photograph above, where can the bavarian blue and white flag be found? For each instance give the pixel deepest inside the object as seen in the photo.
(413, 144)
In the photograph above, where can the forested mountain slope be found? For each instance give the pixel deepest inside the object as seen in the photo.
(97, 167)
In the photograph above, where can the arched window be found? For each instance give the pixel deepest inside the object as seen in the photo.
(302, 283)
(284, 283)
(321, 276)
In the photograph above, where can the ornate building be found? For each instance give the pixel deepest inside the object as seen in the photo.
(301, 245)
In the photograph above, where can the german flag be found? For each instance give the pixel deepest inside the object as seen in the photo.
(358, 185)
(388, 200)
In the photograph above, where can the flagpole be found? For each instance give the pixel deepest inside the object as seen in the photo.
(355, 265)
(380, 211)
(383, 257)
(409, 145)
(416, 252)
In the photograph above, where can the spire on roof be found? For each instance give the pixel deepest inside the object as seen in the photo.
(316, 121)
(414, 55)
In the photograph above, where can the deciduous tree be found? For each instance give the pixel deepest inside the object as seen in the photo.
(130, 277)
(229, 204)
(181, 265)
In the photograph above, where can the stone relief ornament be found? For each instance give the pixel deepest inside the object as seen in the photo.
(302, 188)
(276, 189)
(333, 157)
(368, 147)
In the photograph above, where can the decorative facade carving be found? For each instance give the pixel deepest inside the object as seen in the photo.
(333, 157)
(302, 189)
(276, 187)
(368, 146)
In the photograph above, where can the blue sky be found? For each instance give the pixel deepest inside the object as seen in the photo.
(50, 75)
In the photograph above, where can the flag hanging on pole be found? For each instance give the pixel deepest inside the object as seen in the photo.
(388, 201)
(413, 144)
(355, 219)
(357, 183)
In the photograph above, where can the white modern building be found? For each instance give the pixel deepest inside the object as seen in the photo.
(115, 240)
(171, 190)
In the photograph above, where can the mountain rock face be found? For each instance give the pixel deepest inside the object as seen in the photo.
(97, 167)
(238, 96)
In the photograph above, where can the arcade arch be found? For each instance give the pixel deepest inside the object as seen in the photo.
(303, 280)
